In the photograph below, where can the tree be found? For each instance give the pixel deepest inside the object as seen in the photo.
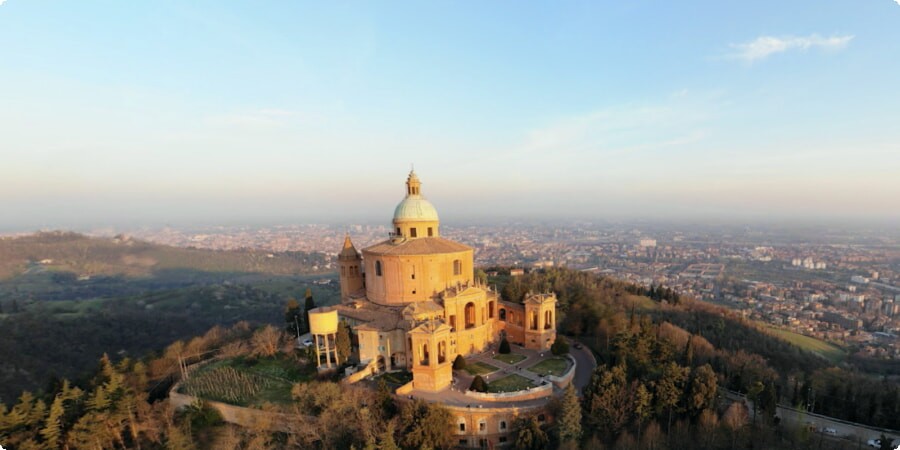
(426, 425)
(342, 342)
(707, 424)
(293, 316)
(735, 418)
(266, 341)
(52, 431)
(689, 352)
(768, 402)
(569, 417)
(386, 439)
(702, 390)
(309, 304)
(669, 389)
(529, 435)
(478, 384)
(753, 395)
(643, 406)
(459, 363)
(504, 346)
(559, 347)
(608, 400)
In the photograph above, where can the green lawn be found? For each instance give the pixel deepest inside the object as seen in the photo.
(510, 383)
(480, 368)
(509, 358)
(830, 351)
(552, 366)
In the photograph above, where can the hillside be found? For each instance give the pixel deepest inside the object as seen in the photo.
(65, 299)
(87, 256)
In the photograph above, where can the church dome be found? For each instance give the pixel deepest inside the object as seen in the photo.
(415, 208)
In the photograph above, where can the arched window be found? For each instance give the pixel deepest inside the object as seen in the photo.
(430, 232)
(534, 320)
(378, 268)
(412, 232)
(457, 267)
(470, 315)
(502, 314)
(442, 352)
(548, 320)
(491, 309)
(425, 355)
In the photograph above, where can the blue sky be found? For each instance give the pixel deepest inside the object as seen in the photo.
(204, 112)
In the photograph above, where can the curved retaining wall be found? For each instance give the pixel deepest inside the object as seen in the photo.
(527, 394)
(566, 378)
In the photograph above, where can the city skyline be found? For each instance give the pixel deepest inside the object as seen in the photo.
(122, 114)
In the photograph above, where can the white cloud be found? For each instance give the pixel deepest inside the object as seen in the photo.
(764, 46)
(4, 1)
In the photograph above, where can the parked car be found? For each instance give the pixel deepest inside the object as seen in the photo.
(307, 342)
(829, 430)
(578, 345)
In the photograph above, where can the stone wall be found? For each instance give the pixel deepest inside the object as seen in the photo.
(566, 378)
(527, 394)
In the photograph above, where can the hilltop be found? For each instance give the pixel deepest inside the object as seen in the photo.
(60, 251)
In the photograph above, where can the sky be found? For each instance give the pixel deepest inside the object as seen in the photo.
(142, 113)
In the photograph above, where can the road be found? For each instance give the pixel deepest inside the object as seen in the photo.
(792, 417)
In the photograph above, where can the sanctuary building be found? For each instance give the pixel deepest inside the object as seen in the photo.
(414, 302)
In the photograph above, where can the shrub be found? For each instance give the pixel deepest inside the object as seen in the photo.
(504, 347)
(478, 384)
(559, 347)
(459, 363)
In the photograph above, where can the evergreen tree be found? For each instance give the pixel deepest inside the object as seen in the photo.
(504, 346)
(52, 430)
(478, 384)
(559, 347)
(342, 342)
(386, 439)
(459, 363)
(569, 420)
(292, 316)
(309, 304)
(689, 352)
(529, 435)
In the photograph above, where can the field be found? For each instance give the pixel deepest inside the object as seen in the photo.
(552, 366)
(510, 383)
(509, 358)
(248, 382)
(480, 368)
(827, 350)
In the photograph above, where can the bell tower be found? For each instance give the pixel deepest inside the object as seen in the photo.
(351, 264)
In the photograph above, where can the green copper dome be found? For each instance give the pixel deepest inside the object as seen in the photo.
(414, 207)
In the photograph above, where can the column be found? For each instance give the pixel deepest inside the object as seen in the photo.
(327, 353)
(318, 354)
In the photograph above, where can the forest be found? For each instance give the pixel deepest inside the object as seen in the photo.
(663, 367)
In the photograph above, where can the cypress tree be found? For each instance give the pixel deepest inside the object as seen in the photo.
(569, 416)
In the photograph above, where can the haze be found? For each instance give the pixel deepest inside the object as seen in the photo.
(168, 112)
